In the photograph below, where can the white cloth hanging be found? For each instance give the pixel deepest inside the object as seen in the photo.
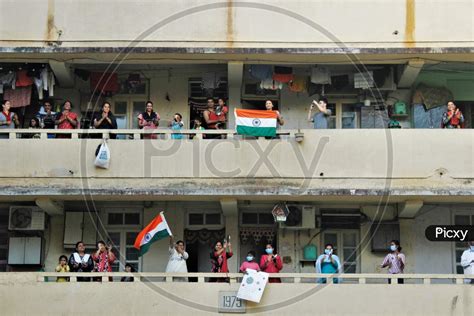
(320, 75)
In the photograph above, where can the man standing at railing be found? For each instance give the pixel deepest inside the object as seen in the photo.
(320, 119)
(467, 261)
(177, 260)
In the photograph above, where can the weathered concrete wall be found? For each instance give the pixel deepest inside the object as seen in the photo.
(234, 23)
(137, 298)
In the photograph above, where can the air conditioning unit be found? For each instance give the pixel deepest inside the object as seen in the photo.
(300, 217)
(26, 218)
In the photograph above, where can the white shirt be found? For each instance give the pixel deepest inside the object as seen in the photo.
(466, 262)
(177, 261)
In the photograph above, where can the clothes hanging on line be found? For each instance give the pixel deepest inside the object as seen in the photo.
(19, 97)
(283, 78)
(7, 79)
(320, 75)
(270, 84)
(210, 80)
(298, 84)
(261, 72)
(22, 79)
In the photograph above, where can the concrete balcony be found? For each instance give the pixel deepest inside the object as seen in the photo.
(156, 293)
(432, 164)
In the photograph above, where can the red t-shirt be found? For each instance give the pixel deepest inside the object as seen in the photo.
(66, 124)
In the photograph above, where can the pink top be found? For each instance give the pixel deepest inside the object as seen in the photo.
(272, 266)
(103, 261)
(395, 264)
(249, 265)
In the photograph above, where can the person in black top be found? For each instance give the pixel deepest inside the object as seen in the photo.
(105, 119)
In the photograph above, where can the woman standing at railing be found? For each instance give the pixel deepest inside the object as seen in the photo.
(328, 263)
(66, 119)
(7, 119)
(395, 260)
(149, 120)
(105, 119)
(80, 261)
(271, 263)
(219, 257)
(103, 258)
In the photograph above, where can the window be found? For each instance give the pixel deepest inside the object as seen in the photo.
(121, 219)
(209, 220)
(257, 219)
(122, 242)
(461, 219)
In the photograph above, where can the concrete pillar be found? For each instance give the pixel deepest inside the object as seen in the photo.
(408, 241)
(231, 220)
(234, 82)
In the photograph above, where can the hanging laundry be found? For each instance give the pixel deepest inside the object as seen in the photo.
(51, 83)
(283, 78)
(298, 84)
(320, 75)
(270, 84)
(281, 70)
(19, 97)
(104, 82)
(44, 78)
(364, 80)
(210, 80)
(7, 79)
(22, 79)
(39, 87)
(261, 72)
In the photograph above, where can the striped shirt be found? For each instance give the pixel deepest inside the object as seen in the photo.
(395, 265)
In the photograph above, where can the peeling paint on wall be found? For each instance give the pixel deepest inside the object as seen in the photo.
(230, 24)
(50, 26)
(410, 24)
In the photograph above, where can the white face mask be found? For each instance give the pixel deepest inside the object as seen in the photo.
(393, 247)
(472, 247)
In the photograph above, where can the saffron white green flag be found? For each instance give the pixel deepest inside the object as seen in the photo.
(256, 122)
(156, 230)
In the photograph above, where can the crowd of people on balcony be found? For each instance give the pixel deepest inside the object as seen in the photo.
(103, 258)
(214, 117)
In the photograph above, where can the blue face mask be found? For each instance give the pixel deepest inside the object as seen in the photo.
(393, 247)
(472, 248)
(249, 258)
(269, 251)
(328, 251)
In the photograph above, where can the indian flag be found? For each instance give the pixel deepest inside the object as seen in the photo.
(156, 230)
(256, 122)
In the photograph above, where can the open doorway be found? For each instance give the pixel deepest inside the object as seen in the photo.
(199, 244)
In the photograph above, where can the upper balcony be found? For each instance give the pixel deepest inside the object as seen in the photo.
(307, 164)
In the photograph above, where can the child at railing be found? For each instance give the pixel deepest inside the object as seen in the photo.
(249, 263)
(62, 267)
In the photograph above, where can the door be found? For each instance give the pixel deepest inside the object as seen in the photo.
(345, 242)
(122, 242)
(126, 110)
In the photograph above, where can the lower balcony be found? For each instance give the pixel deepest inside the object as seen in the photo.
(298, 294)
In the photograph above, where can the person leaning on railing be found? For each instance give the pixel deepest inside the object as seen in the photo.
(395, 260)
(149, 120)
(8, 119)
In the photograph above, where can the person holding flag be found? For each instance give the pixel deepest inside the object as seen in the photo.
(177, 260)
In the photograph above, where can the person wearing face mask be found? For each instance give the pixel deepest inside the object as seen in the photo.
(271, 263)
(467, 261)
(249, 263)
(328, 263)
(395, 260)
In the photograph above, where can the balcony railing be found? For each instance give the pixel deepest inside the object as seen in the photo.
(352, 278)
(127, 133)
